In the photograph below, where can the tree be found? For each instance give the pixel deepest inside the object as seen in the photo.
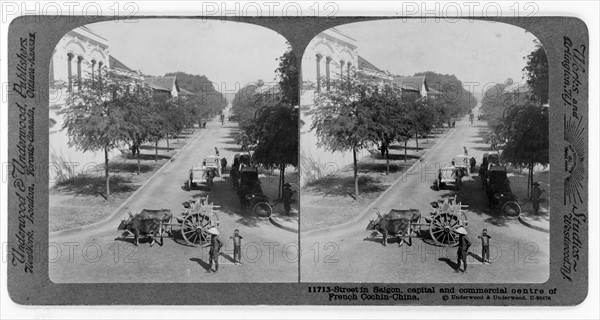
(537, 74)
(525, 131)
(273, 128)
(343, 119)
(95, 115)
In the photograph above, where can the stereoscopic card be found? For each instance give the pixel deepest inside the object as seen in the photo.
(195, 160)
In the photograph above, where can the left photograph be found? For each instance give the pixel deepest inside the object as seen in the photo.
(173, 154)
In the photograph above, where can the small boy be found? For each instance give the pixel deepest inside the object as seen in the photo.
(237, 246)
(485, 246)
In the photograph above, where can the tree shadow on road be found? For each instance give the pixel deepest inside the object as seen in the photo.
(86, 185)
(336, 185)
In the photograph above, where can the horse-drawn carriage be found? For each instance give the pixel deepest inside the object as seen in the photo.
(195, 221)
(498, 191)
(250, 192)
(446, 217)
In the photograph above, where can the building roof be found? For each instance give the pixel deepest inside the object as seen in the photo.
(114, 63)
(414, 83)
(268, 89)
(517, 87)
(434, 92)
(364, 64)
(162, 83)
(184, 92)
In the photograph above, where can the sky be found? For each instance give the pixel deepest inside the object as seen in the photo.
(478, 51)
(226, 52)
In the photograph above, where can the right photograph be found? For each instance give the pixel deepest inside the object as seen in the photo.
(424, 154)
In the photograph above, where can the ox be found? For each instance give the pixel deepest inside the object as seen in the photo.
(147, 222)
(396, 222)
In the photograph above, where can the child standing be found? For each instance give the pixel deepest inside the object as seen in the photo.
(237, 246)
(485, 246)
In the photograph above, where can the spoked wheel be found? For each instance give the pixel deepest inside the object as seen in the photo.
(511, 208)
(194, 227)
(443, 228)
(262, 210)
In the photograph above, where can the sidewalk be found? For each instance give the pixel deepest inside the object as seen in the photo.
(289, 223)
(540, 222)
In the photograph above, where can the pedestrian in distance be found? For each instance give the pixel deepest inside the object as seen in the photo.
(287, 198)
(463, 249)
(536, 195)
(485, 246)
(472, 162)
(215, 248)
(216, 151)
(237, 246)
(466, 152)
(223, 165)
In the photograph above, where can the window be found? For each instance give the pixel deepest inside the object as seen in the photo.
(93, 66)
(319, 57)
(79, 60)
(327, 63)
(69, 71)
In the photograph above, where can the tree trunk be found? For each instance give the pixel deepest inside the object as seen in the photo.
(138, 161)
(281, 180)
(417, 139)
(405, 142)
(107, 176)
(355, 174)
(156, 151)
(168, 147)
(387, 162)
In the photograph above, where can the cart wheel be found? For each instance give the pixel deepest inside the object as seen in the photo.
(262, 210)
(511, 208)
(193, 229)
(443, 228)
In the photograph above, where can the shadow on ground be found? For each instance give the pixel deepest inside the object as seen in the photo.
(344, 186)
(86, 185)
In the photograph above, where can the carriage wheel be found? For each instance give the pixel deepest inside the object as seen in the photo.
(193, 229)
(511, 208)
(262, 210)
(443, 228)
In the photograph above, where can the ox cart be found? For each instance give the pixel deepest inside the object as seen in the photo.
(205, 173)
(443, 221)
(194, 222)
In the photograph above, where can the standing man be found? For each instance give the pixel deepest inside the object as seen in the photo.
(472, 162)
(223, 165)
(287, 198)
(536, 194)
(485, 246)
(237, 246)
(216, 151)
(215, 248)
(463, 249)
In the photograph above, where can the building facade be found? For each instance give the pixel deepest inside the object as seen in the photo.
(331, 54)
(79, 54)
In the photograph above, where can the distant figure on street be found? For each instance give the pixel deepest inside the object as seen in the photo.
(216, 151)
(536, 195)
(223, 165)
(287, 198)
(215, 248)
(453, 123)
(463, 249)
(466, 152)
(222, 119)
(485, 246)
(472, 162)
(237, 246)
(384, 149)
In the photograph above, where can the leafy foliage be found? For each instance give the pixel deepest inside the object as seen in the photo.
(537, 74)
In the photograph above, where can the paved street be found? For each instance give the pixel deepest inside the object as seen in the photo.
(269, 253)
(344, 254)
